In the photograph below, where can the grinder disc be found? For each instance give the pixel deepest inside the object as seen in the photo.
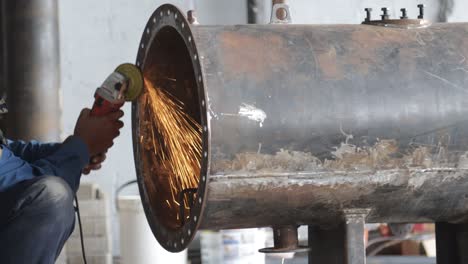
(135, 80)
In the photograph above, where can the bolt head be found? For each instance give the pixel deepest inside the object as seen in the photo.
(421, 6)
(368, 9)
(384, 9)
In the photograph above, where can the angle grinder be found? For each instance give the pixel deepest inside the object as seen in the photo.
(124, 84)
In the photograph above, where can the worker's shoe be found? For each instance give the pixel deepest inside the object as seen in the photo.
(36, 218)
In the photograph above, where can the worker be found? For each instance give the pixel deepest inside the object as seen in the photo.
(38, 183)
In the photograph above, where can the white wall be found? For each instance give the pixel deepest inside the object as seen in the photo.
(96, 36)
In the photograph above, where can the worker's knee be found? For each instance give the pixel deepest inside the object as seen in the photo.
(54, 198)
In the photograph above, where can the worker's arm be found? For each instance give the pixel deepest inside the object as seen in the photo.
(66, 162)
(32, 150)
(93, 135)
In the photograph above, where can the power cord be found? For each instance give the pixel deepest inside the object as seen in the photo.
(117, 192)
(77, 209)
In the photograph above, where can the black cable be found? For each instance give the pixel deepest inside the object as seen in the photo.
(77, 209)
(121, 187)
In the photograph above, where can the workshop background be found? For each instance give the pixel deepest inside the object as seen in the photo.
(95, 36)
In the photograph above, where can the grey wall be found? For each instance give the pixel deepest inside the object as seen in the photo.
(96, 36)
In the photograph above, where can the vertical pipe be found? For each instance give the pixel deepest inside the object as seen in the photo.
(355, 245)
(252, 11)
(2, 51)
(446, 8)
(2, 65)
(32, 68)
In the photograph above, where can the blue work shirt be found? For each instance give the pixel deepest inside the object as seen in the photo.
(22, 161)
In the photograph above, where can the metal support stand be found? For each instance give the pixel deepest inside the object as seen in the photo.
(343, 244)
(452, 243)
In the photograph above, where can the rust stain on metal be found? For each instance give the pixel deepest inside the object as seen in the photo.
(255, 56)
(383, 155)
(282, 161)
(366, 43)
(329, 65)
(408, 59)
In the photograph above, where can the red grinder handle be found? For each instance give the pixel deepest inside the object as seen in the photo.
(103, 107)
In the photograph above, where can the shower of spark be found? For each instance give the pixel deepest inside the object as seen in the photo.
(178, 147)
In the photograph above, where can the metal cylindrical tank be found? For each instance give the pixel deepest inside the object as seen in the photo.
(302, 123)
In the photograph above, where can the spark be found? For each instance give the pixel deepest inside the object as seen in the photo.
(178, 146)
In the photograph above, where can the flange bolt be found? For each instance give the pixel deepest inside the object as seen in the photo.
(404, 15)
(368, 14)
(385, 15)
(421, 11)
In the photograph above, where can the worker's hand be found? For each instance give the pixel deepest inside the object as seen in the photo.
(95, 163)
(98, 132)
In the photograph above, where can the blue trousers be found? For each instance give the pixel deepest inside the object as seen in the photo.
(36, 218)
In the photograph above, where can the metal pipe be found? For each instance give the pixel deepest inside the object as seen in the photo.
(252, 12)
(32, 68)
(301, 123)
(2, 52)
